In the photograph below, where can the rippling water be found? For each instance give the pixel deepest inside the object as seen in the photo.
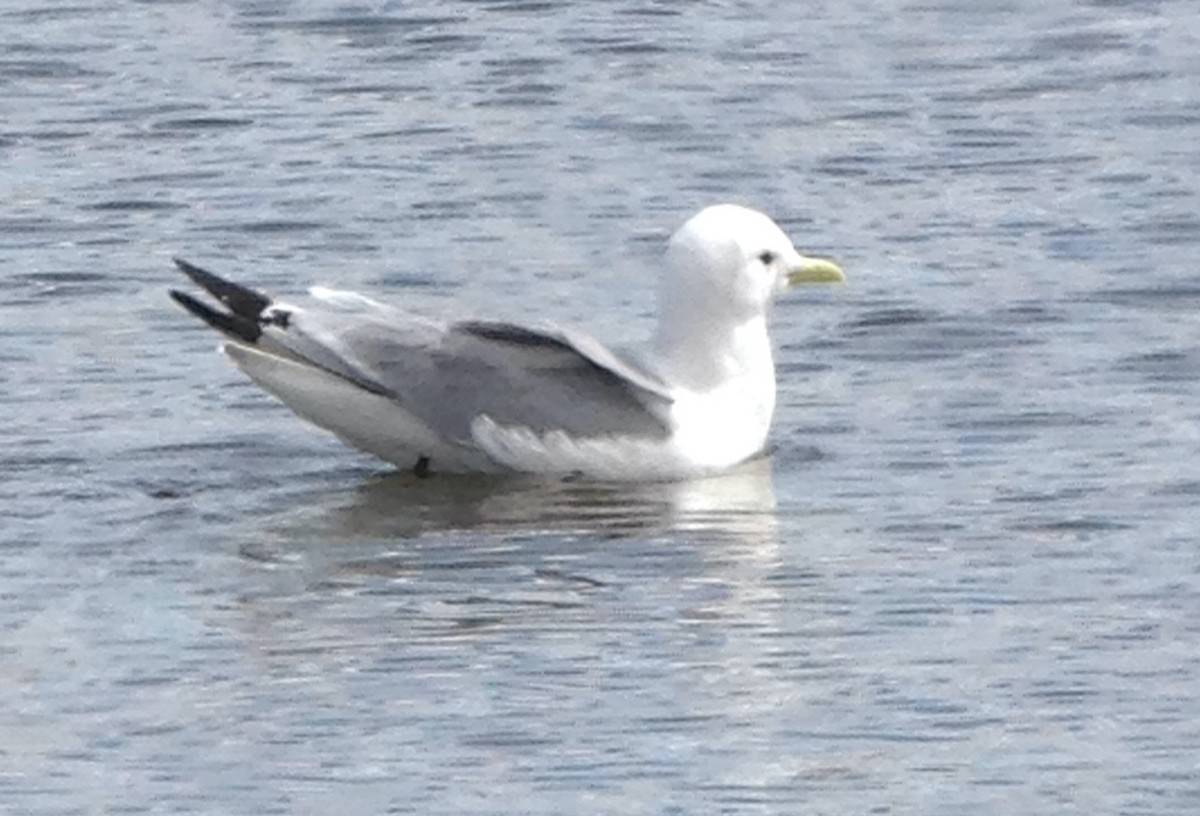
(968, 578)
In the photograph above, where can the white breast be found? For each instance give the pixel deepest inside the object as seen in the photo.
(724, 426)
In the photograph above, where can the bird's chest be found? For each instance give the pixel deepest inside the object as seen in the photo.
(727, 424)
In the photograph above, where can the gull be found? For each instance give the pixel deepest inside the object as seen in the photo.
(486, 396)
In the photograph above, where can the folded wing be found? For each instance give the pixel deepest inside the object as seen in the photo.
(448, 375)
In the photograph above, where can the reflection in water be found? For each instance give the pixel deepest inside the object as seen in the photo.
(738, 505)
(543, 611)
(425, 585)
(472, 551)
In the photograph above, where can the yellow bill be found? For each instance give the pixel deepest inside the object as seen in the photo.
(815, 270)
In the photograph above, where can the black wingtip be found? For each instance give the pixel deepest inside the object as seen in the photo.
(243, 301)
(234, 325)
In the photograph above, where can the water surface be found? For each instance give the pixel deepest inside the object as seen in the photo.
(967, 577)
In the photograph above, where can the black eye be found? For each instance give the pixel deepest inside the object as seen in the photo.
(767, 257)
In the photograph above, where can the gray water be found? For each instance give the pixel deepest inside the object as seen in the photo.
(966, 581)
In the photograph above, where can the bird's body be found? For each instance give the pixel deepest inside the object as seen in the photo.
(493, 397)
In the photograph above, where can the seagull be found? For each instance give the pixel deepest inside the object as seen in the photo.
(485, 396)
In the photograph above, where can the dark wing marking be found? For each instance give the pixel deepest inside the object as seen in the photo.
(234, 325)
(507, 333)
(243, 301)
(250, 312)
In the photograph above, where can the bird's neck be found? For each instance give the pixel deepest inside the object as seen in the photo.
(707, 354)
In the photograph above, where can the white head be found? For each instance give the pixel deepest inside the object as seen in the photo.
(728, 262)
(724, 267)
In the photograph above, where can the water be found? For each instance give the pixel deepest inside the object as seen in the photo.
(967, 579)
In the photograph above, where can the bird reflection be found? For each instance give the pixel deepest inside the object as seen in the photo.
(393, 572)
(363, 532)
(402, 506)
(739, 503)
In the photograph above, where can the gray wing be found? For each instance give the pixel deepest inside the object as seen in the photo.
(448, 375)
